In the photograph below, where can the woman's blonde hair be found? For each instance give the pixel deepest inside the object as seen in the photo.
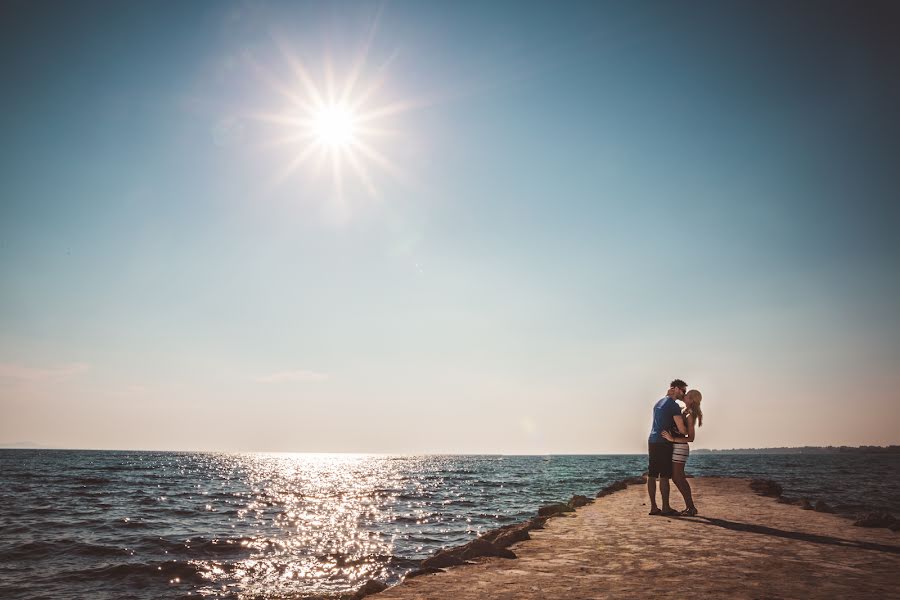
(695, 412)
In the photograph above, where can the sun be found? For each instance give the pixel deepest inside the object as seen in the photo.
(334, 126)
(340, 121)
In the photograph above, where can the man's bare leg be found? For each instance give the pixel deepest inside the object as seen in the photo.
(651, 491)
(664, 490)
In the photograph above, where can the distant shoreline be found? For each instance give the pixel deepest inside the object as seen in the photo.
(807, 450)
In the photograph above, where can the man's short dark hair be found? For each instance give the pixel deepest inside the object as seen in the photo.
(679, 384)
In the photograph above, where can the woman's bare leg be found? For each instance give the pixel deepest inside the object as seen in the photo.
(682, 484)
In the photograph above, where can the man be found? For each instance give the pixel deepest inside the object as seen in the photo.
(666, 417)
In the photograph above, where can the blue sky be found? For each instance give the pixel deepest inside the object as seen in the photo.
(584, 201)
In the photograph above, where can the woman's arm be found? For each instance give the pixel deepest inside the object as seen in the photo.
(679, 423)
(682, 440)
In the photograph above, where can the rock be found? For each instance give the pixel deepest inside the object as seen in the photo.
(508, 534)
(613, 487)
(441, 560)
(577, 501)
(822, 507)
(537, 522)
(372, 586)
(554, 509)
(882, 519)
(766, 487)
(622, 484)
(805, 505)
(787, 500)
(459, 555)
(493, 534)
(479, 547)
(419, 572)
(513, 536)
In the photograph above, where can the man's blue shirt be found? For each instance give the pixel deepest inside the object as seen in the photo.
(663, 418)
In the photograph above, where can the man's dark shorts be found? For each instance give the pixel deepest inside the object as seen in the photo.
(660, 460)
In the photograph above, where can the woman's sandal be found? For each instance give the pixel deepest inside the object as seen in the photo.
(655, 511)
(670, 513)
(689, 512)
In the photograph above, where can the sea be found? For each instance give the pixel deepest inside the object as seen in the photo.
(149, 525)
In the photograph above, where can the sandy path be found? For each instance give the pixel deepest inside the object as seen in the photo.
(743, 546)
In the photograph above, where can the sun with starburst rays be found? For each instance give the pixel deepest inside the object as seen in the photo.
(334, 124)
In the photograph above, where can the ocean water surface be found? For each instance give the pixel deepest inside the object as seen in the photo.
(142, 525)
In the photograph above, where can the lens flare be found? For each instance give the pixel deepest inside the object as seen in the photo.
(343, 123)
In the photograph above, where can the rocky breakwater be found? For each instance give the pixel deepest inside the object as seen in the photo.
(496, 542)
(767, 487)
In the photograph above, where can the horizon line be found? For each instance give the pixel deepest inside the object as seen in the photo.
(19, 446)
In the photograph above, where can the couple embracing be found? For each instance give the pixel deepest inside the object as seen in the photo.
(673, 429)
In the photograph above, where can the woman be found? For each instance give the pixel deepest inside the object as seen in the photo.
(693, 417)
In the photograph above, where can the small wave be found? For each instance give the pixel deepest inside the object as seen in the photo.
(88, 492)
(428, 540)
(46, 509)
(155, 571)
(229, 546)
(344, 560)
(493, 517)
(10, 530)
(402, 562)
(121, 468)
(206, 547)
(414, 496)
(408, 519)
(462, 503)
(26, 475)
(489, 484)
(42, 549)
(91, 481)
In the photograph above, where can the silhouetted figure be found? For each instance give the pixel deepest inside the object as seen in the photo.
(681, 450)
(666, 417)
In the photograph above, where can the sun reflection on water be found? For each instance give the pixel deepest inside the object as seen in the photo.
(316, 516)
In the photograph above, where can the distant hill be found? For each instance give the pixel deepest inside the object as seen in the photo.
(893, 449)
(27, 445)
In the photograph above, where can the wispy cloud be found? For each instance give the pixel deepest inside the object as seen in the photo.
(297, 375)
(25, 373)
